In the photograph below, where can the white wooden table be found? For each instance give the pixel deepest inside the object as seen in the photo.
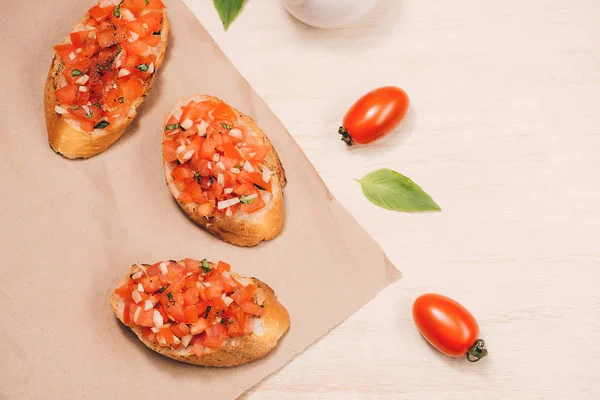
(504, 133)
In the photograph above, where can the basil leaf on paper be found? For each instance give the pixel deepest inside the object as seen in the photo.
(393, 191)
(228, 10)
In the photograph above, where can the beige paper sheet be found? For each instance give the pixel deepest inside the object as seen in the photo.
(71, 229)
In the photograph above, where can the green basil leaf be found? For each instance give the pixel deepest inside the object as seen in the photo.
(226, 126)
(117, 12)
(142, 67)
(171, 127)
(205, 266)
(393, 191)
(76, 72)
(101, 125)
(197, 177)
(228, 10)
(246, 200)
(121, 100)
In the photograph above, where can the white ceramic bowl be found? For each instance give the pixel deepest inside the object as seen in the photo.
(329, 14)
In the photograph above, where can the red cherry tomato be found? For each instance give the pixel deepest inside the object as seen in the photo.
(374, 115)
(448, 326)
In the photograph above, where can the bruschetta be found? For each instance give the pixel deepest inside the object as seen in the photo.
(200, 313)
(101, 74)
(223, 171)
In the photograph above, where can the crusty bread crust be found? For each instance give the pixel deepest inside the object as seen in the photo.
(235, 351)
(66, 138)
(241, 229)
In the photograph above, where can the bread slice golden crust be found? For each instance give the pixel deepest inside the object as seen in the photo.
(63, 134)
(269, 328)
(241, 229)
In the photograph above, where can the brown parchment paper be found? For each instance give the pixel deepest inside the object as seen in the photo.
(71, 229)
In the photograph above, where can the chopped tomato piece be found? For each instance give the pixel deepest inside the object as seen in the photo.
(67, 94)
(201, 308)
(260, 152)
(214, 292)
(255, 204)
(203, 168)
(192, 265)
(165, 336)
(180, 330)
(243, 294)
(110, 37)
(223, 112)
(152, 40)
(153, 20)
(169, 150)
(231, 151)
(199, 326)
(151, 284)
(145, 317)
(223, 266)
(205, 209)
(97, 13)
(190, 296)
(155, 4)
(148, 334)
(124, 292)
(78, 38)
(208, 148)
(138, 27)
(190, 314)
(257, 180)
(194, 189)
(131, 89)
(138, 47)
(184, 197)
(252, 308)
(234, 327)
(63, 51)
(215, 336)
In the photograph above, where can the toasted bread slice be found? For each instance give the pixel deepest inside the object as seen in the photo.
(64, 134)
(267, 330)
(242, 229)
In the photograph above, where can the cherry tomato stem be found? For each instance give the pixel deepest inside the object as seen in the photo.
(477, 351)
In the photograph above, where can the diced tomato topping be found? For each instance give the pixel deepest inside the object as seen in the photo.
(189, 297)
(224, 158)
(93, 53)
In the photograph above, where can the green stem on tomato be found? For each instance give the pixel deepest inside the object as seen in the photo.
(345, 136)
(477, 351)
